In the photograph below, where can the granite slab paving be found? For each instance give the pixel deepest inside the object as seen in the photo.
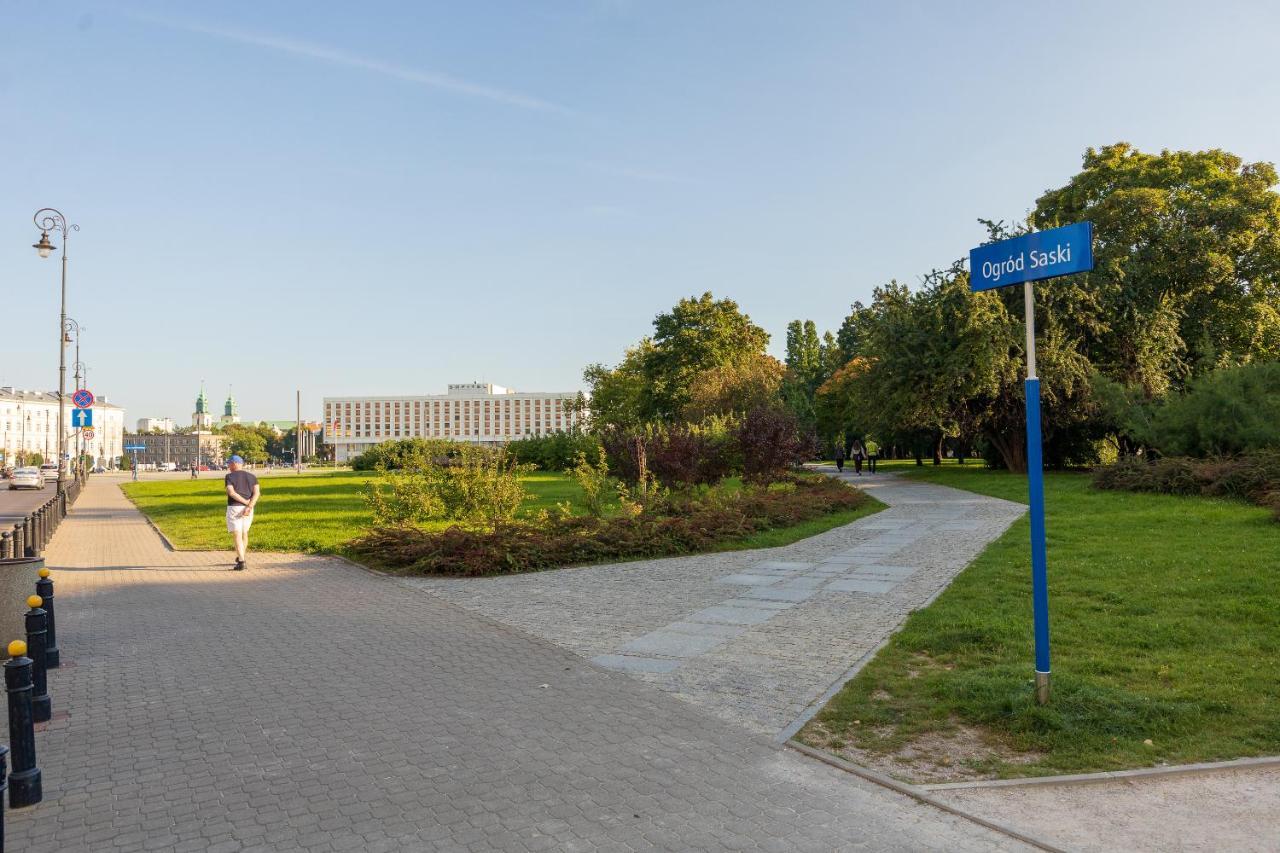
(307, 704)
(805, 614)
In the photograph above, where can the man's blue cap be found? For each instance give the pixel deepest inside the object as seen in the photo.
(236, 459)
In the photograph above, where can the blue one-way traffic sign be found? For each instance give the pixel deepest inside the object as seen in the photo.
(81, 418)
(1031, 257)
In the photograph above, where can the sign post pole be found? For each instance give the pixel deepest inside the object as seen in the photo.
(1065, 250)
(1035, 489)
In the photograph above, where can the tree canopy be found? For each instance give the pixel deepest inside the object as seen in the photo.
(1187, 279)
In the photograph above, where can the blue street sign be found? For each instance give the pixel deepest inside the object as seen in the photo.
(135, 447)
(81, 418)
(83, 398)
(1031, 257)
(1023, 260)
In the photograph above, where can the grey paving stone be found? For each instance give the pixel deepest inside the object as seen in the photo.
(782, 593)
(869, 585)
(735, 615)
(672, 644)
(635, 663)
(750, 580)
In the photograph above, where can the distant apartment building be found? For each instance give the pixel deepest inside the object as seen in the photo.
(473, 412)
(156, 425)
(29, 425)
(181, 450)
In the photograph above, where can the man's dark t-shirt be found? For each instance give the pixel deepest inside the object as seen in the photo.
(243, 482)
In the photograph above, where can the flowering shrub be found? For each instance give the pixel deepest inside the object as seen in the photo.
(667, 527)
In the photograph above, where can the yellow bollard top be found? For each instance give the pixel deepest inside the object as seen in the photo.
(17, 649)
(44, 573)
(34, 601)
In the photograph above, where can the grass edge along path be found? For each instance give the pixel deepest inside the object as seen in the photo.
(188, 513)
(1166, 645)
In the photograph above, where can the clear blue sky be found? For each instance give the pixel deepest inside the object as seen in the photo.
(390, 197)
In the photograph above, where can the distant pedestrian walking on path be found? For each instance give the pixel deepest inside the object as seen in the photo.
(873, 453)
(858, 455)
(840, 455)
(242, 495)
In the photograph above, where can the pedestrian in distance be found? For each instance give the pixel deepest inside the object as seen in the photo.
(858, 454)
(840, 456)
(873, 453)
(242, 496)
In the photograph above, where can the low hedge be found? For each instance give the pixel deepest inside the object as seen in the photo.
(674, 526)
(1253, 477)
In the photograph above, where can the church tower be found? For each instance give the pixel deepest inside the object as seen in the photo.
(202, 418)
(230, 410)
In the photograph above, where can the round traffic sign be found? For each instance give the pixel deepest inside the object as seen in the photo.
(87, 433)
(83, 398)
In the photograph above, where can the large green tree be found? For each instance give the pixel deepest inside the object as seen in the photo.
(1187, 254)
(656, 379)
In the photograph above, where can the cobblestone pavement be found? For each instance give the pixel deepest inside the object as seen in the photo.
(309, 705)
(756, 637)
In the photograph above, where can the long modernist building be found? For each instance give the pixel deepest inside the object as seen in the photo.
(473, 412)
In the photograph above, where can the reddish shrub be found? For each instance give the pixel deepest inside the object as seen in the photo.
(680, 526)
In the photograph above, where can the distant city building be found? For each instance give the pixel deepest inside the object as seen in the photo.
(156, 424)
(202, 418)
(478, 413)
(230, 411)
(29, 424)
(181, 450)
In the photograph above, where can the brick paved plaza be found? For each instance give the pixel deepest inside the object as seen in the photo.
(309, 705)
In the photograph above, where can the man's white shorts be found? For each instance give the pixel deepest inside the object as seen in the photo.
(239, 519)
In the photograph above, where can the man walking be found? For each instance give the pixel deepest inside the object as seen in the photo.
(242, 495)
(873, 453)
(840, 455)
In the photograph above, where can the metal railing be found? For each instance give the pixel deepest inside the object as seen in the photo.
(29, 537)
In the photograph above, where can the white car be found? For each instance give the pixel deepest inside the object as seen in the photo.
(50, 471)
(27, 478)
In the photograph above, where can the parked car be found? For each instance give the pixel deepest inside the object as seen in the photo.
(27, 478)
(49, 470)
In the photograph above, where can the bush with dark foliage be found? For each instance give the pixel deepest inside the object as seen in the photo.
(678, 525)
(771, 444)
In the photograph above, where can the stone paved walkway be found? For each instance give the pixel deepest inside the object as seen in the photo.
(756, 637)
(309, 705)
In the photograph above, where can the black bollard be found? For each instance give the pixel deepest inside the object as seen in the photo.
(52, 657)
(37, 633)
(24, 781)
(4, 769)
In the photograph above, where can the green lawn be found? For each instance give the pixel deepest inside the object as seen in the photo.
(308, 512)
(321, 511)
(1165, 620)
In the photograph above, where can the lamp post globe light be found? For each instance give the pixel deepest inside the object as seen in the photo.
(48, 219)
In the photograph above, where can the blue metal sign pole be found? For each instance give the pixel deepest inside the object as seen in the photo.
(1055, 252)
(1035, 488)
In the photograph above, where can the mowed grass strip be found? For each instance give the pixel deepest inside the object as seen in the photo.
(1165, 619)
(319, 512)
(308, 512)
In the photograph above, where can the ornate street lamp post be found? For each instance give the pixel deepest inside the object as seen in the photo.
(48, 219)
